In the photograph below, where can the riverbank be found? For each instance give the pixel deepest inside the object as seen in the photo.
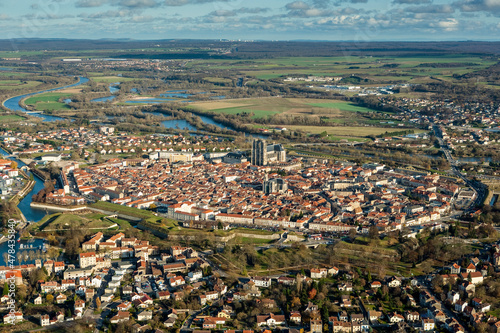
(56, 208)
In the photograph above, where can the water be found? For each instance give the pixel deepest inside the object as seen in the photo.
(103, 99)
(178, 123)
(30, 213)
(218, 97)
(6, 68)
(113, 87)
(150, 101)
(67, 100)
(494, 199)
(176, 93)
(13, 103)
(25, 246)
(134, 90)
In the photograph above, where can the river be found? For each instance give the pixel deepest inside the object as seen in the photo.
(30, 213)
(13, 102)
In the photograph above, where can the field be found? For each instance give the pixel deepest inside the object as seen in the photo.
(110, 79)
(61, 221)
(342, 106)
(10, 118)
(17, 84)
(48, 101)
(263, 107)
(348, 131)
(375, 69)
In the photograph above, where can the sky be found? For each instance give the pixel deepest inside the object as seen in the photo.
(358, 20)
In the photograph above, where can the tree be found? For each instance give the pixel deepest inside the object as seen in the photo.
(49, 298)
(373, 232)
(98, 303)
(5, 289)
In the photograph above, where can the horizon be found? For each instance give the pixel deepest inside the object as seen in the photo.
(280, 20)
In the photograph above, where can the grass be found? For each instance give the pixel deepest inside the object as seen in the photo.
(16, 84)
(10, 118)
(348, 131)
(66, 221)
(343, 106)
(46, 97)
(248, 240)
(111, 79)
(262, 107)
(108, 206)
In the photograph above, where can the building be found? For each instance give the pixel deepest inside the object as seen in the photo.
(276, 185)
(51, 157)
(87, 259)
(262, 153)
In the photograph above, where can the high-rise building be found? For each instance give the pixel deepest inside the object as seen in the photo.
(262, 153)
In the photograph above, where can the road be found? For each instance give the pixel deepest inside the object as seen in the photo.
(444, 309)
(478, 188)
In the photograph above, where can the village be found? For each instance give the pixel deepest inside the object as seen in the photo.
(127, 281)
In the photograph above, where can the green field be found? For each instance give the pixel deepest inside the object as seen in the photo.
(17, 84)
(263, 107)
(376, 69)
(10, 118)
(343, 106)
(48, 101)
(64, 221)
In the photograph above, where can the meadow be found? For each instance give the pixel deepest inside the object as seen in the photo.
(48, 101)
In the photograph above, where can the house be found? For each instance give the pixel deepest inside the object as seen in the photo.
(125, 306)
(121, 316)
(453, 296)
(396, 318)
(44, 320)
(316, 326)
(270, 320)
(376, 285)
(374, 315)
(145, 315)
(454, 269)
(394, 282)
(263, 282)
(60, 299)
(475, 277)
(38, 300)
(13, 318)
(295, 317)
(318, 273)
(412, 316)
(460, 306)
(428, 324)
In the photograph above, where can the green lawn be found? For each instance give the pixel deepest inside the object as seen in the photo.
(46, 97)
(343, 106)
(108, 206)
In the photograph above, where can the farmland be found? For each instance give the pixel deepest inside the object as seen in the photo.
(48, 101)
(263, 107)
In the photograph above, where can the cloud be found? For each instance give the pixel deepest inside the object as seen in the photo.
(138, 3)
(108, 14)
(412, 2)
(90, 3)
(235, 12)
(447, 25)
(297, 5)
(190, 2)
(431, 9)
(4, 17)
(478, 5)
